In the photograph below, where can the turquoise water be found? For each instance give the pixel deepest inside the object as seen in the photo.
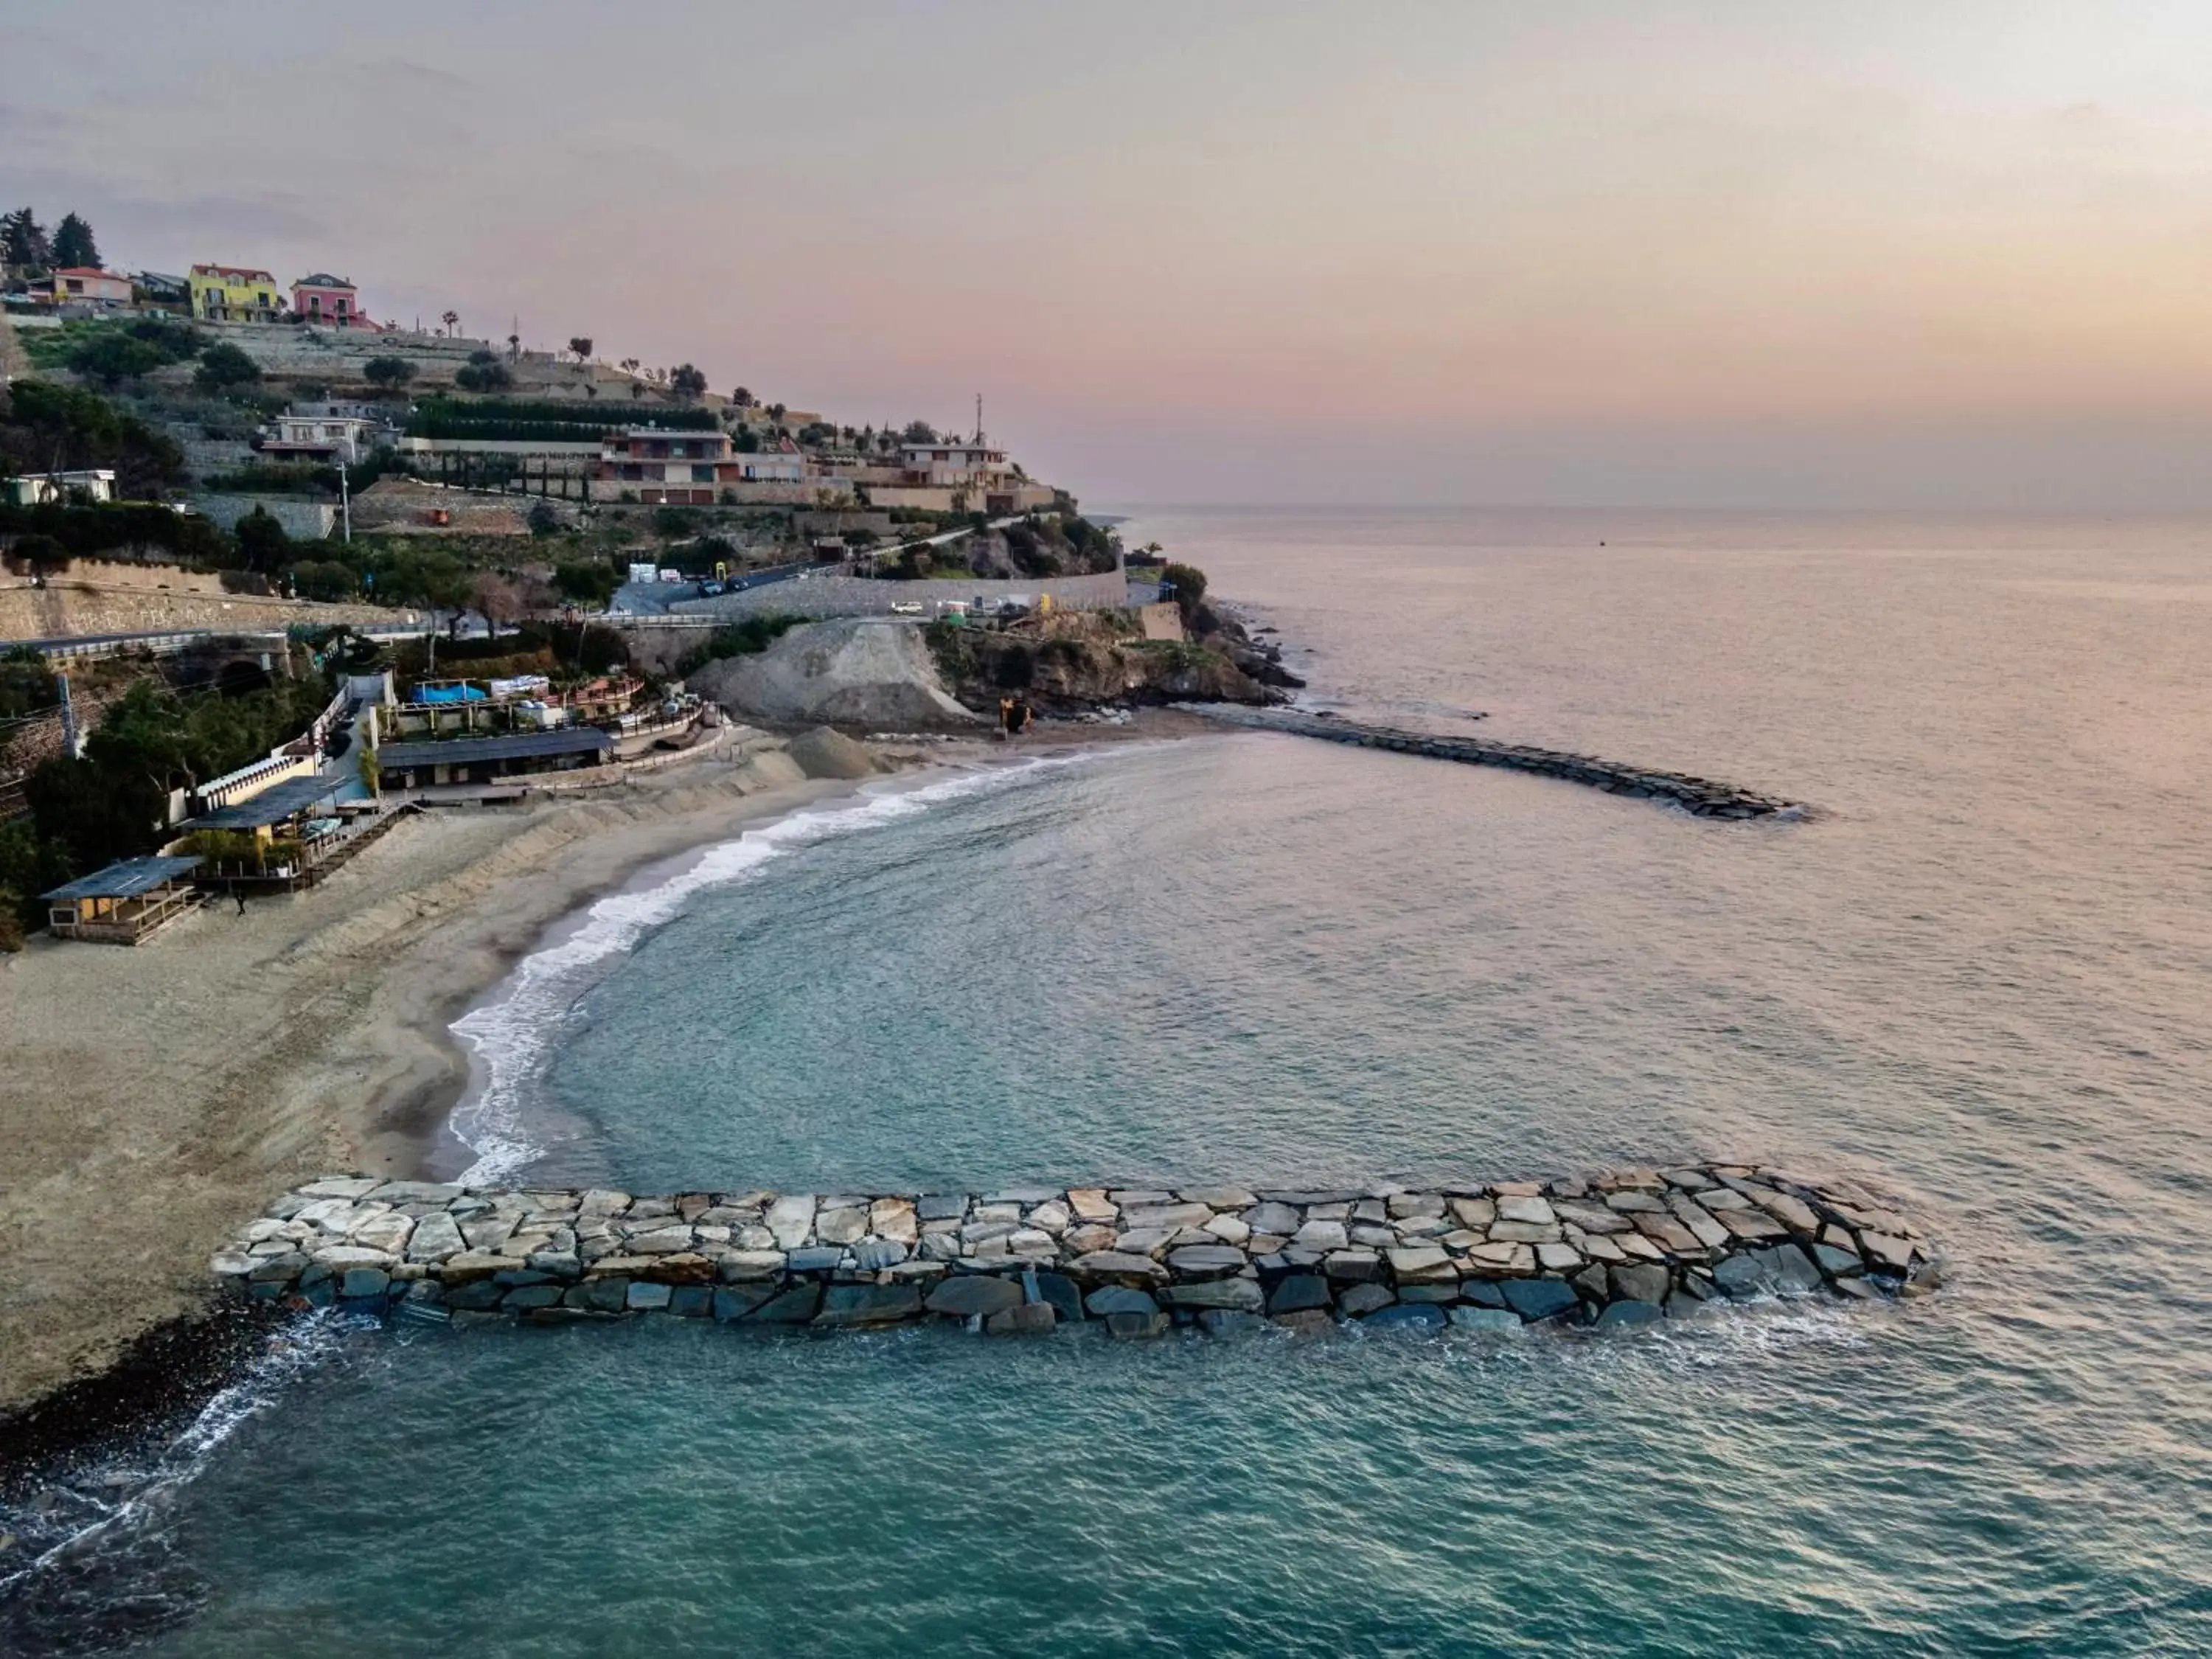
(1977, 976)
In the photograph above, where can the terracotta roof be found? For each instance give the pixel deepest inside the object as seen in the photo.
(92, 270)
(247, 271)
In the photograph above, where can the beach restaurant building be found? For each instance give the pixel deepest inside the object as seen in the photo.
(486, 760)
(124, 904)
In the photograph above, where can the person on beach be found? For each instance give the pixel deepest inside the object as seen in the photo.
(239, 893)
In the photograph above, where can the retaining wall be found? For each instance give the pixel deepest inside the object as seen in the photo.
(860, 596)
(1624, 1248)
(301, 519)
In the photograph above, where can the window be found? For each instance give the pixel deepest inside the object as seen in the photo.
(702, 474)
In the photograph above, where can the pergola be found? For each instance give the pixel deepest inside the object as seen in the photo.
(124, 904)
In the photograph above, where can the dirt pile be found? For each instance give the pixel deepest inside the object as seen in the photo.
(860, 671)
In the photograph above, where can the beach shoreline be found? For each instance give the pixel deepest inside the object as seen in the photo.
(166, 1087)
(162, 1093)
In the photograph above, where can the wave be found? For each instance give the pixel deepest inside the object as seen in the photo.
(513, 1037)
(101, 1569)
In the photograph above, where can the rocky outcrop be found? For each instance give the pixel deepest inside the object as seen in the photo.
(1630, 1247)
(852, 671)
(1082, 663)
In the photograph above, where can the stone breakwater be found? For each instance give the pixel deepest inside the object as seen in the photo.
(1618, 1249)
(1700, 796)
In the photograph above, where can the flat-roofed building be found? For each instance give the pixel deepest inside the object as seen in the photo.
(126, 903)
(479, 761)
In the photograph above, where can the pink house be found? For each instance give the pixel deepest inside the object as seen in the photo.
(323, 298)
(89, 284)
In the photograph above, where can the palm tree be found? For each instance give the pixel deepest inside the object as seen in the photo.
(453, 322)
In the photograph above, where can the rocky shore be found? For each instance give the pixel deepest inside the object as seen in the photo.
(1700, 797)
(1623, 1248)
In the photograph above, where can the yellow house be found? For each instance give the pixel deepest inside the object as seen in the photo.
(234, 293)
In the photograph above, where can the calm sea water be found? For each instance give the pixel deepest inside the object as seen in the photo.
(1979, 976)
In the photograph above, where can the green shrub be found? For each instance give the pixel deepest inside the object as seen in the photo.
(223, 367)
(748, 638)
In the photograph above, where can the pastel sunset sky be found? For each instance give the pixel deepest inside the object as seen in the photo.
(1610, 252)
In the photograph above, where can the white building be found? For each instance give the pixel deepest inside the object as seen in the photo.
(49, 489)
(316, 437)
(953, 463)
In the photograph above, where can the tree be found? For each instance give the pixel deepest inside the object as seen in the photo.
(324, 579)
(921, 432)
(591, 583)
(41, 556)
(670, 522)
(73, 245)
(544, 521)
(1188, 583)
(687, 381)
(482, 377)
(224, 366)
(45, 426)
(743, 397)
(389, 373)
(581, 347)
(110, 357)
(493, 598)
(628, 366)
(262, 543)
(452, 319)
(23, 244)
(636, 390)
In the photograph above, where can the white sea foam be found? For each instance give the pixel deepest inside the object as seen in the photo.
(513, 1035)
(125, 1498)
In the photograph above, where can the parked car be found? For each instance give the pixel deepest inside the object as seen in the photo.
(906, 607)
(712, 590)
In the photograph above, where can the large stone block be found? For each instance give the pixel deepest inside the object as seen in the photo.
(1539, 1299)
(973, 1295)
(1243, 1293)
(849, 1305)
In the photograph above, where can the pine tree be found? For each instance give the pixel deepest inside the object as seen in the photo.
(73, 244)
(24, 242)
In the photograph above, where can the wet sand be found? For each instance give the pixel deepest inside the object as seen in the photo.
(150, 1097)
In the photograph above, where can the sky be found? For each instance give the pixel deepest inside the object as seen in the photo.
(1603, 253)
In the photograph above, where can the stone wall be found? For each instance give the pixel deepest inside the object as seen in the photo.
(114, 575)
(301, 519)
(1627, 1248)
(860, 596)
(64, 608)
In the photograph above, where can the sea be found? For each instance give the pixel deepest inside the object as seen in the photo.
(1976, 976)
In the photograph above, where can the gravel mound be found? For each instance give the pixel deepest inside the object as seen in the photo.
(823, 753)
(852, 671)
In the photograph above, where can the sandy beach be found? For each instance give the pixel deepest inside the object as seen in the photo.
(151, 1097)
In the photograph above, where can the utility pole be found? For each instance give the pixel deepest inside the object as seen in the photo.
(345, 503)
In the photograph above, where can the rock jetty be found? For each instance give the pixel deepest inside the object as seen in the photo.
(1699, 796)
(1618, 1249)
